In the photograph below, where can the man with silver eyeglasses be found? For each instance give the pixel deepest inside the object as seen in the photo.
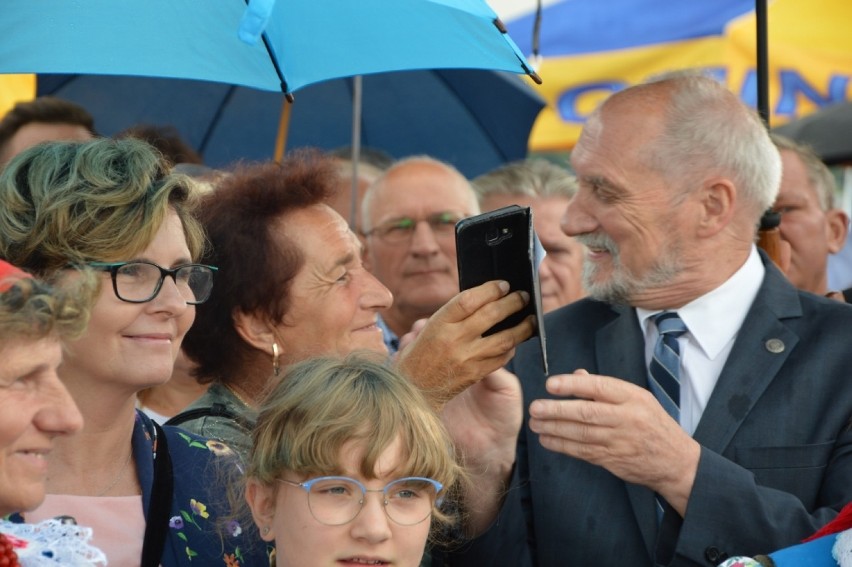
(409, 215)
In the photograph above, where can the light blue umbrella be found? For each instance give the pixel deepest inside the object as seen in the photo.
(276, 46)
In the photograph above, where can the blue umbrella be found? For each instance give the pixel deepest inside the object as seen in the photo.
(474, 119)
(281, 46)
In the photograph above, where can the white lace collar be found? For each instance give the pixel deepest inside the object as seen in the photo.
(50, 543)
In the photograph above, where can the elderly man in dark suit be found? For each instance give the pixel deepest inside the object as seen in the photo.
(699, 405)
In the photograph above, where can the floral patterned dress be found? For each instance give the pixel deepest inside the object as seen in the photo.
(200, 530)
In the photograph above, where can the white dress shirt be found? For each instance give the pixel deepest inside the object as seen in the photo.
(713, 321)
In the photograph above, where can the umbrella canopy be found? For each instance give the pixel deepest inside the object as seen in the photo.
(828, 132)
(278, 46)
(474, 119)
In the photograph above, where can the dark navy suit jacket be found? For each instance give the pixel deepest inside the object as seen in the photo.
(776, 459)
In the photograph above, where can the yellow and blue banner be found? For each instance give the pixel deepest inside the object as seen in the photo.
(592, 48)
(810, 56)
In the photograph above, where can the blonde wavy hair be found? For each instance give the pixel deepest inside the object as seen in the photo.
(324, 403)
(68, 203)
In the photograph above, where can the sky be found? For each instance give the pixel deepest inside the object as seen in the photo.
(510, 9)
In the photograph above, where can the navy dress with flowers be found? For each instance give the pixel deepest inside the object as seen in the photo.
(199, 531)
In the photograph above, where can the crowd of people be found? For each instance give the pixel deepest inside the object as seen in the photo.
(220, 367)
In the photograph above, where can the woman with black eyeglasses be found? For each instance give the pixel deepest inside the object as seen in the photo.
(111, 207)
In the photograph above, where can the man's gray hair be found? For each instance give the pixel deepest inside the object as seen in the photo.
(533, 178)
(708, 130)
(369, 196)
(819, 175)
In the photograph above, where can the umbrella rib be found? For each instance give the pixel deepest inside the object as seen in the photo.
(350, 86)
(62, 84)
(275, 64)
(229, 94)
(284, 88)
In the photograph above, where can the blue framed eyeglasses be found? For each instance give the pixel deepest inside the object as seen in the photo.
(337, 500)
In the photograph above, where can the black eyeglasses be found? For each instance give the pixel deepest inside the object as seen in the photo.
(140, 282)
(400, 230)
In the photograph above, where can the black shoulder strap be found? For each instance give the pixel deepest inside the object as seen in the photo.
(157, 522)
(215, 410)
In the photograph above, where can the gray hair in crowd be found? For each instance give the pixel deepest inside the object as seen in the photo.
(533, 178)
(819, 175)
(375, 186)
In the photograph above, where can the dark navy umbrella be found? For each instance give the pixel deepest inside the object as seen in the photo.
(828, 132)
(474, 119)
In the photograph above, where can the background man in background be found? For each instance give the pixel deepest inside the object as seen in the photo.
(41, 120)
(546, 188)
(409, 216)
(809, 220)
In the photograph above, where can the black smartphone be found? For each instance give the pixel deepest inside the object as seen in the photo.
(500, 245)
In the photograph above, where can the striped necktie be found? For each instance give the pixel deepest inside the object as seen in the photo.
(664, 370)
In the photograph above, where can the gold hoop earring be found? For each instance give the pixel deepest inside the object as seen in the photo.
(276, 369)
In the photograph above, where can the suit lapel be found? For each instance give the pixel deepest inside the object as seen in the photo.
(620, 352)
(762, 345)
(760, 349)
(620, 348)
